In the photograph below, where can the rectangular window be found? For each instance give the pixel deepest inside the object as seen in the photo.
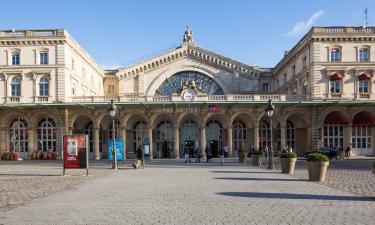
(43, 58)
(285, 78)
(265, 87)
(304, 63)
(335, 86)
(335, 55)
(363, 86)
(16, 58)
(294, 70)
(363, 55)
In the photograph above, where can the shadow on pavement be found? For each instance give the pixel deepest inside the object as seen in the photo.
(229, 171)
(295, 196)
(31, 175)
(260, 179)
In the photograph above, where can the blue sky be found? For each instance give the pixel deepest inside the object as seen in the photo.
(117, 33)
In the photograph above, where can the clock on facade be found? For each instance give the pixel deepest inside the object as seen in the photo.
(189, 96)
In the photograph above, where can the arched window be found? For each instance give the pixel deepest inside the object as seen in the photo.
(335, 55)
(89, 130)
(47, 135)
(290, 134)
(264, 134)
(44, 86)
(43, 57)
(239, 134)
(363, 55)
(15, 58)
(18, 137)
(165, 137)
(117, 130)
(16, 86)
(139, 134)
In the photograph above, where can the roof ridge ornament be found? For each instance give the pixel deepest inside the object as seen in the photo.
(188, 36)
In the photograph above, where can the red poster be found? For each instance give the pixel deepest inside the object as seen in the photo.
(75, 151)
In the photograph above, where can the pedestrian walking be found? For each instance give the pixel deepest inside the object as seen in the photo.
(348, 151)
(221, 153)
(197, 155)
(266, 152)
(140, 157)
(186, 155)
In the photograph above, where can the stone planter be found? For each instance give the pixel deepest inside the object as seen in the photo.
(287, 165)
(257, 160)
(317, 170)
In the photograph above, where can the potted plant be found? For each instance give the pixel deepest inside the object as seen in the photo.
(242, 154)
(256, 158)
(373, 168)
(288, 161)
(317, 164)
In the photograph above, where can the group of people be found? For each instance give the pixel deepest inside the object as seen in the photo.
(208, 155)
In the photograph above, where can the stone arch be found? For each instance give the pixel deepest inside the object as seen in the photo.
(158, 80)
(157, 118)
(196, 117)
(340, 110)
(242, 116)
(218, 117)
(41, 115)
(75, 116)
(10, 116)
(302, 113)
(133, 118)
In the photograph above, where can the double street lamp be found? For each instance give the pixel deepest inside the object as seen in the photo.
(270, 109)
(112, 112)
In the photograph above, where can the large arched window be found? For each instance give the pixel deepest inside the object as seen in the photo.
(139, 134)
(165, 137)
(47, 135)
(44, 86)
(18, 137)
(178, 81)
(290, 134)
(239, 134)
(15, 86)
(264, 134)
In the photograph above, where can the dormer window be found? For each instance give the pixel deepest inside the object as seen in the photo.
(363, 55)
(335, 55)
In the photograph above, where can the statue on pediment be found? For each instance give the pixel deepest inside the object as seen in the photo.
(188, 35)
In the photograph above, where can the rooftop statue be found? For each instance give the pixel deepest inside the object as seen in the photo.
(188, 36)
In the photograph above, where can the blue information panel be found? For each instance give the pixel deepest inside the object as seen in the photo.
(119, 150)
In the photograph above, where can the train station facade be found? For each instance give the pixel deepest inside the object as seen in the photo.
(323, 92)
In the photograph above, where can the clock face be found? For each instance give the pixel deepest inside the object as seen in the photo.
(189, 96)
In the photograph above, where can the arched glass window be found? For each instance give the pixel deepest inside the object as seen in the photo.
(15, 58)
(335, 55)
(165, 137)
(290, 134)
(178, 81)
(16, 86)
(18, 137)
(363, 55)
(47, 135)
(89, 130)
(264, 134)
(117, 130)
(139, 134)
(44, 86)
(239, 134)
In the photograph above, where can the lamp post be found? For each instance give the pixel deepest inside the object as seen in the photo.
(112, 112)
(270, 109)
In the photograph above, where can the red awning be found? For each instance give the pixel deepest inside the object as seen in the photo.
(364, 76)
(364, 118)
(336, 76)
(336, 118)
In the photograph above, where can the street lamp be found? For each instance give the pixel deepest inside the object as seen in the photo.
(112, 112)
(270, 109)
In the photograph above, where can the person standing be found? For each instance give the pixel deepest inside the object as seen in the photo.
(348, 151)
(140, 156)
(266, 152)
(186, 155)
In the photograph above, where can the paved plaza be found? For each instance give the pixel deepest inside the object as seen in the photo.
(171, 192)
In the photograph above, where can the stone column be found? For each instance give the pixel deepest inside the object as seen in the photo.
(32, 140)
(316, 129)
(3, 140)
(149, 134)
(96, 143)
(176, 142)
(347, 135)
(283, 137)
(256, 138)
(123, 137)
(230, 141)
(203, 141)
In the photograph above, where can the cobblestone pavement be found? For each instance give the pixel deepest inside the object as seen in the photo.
(354, 176)
(171, 192)
(23, 181)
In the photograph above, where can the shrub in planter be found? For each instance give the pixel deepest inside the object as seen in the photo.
(317, 165)
(373, 168)
(288, 162)
(242, 155)
(256, 158)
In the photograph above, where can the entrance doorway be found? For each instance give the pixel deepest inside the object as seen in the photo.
(214, 146)
(189, 136)
(189, 145)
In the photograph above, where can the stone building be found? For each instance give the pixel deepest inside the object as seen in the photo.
(188, 97)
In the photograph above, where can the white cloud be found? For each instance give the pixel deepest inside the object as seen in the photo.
(302, 27)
